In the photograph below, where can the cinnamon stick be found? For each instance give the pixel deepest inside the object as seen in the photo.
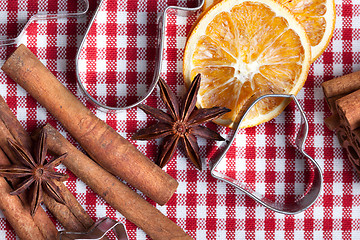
(332, 122)
(99, 140)
(346, 142)
(331, 102)
(76, 209)
(352, 154)
(356, 167)
(13, 125)
(355, 137)
(116, 193)
(348, 108)
(72, 216)
(341, 135)
(43, 222)
(342, 85)
(342, 95)
(18, 217)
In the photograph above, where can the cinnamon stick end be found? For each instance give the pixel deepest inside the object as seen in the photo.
(341, 135)
(20, 50)
(325, 89)
(332, 122)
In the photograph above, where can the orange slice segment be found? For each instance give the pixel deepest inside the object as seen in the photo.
(317, 17)
(246, 47)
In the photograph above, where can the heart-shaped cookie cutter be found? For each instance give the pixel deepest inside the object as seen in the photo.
(315, 187)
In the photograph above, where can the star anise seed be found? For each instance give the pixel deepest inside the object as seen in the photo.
(36, 174)
(181, 124)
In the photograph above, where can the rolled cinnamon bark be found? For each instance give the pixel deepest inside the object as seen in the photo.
(72, 216)
(41, 219)
(356, 167)
(13, 125)
(355, 137)
(332, 122)
(341, 135)
(352, 154)
(75, 208)
(18, 217)
(63, 215)
(80, 222)
(342, 95)
(99, 140)
(4, 161)
(331, 102)
(348, 108)
(117, 194)
(346, 142)
(342, 85)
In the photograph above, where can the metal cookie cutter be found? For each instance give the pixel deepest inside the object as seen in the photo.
(97, 231)
(171, 10)
(42, 16)
(313, 191)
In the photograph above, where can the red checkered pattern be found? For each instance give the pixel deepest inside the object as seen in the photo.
(116, 66)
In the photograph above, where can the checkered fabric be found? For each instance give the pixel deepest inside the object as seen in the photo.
(116, 66)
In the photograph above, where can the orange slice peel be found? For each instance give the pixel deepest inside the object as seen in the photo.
(242, 47)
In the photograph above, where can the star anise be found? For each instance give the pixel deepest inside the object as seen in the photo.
(35, 174)
(181, 125)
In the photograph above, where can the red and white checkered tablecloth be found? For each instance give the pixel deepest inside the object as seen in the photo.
(116, 66)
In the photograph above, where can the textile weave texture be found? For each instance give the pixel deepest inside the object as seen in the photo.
(116, 66)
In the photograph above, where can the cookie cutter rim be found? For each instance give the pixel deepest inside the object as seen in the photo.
(162, 19)
(309, 198)
(314, 190)
(177, 10)
(102, 226)
(42, 16)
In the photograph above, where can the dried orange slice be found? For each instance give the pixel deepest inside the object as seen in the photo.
(244, 47)
(317, 17)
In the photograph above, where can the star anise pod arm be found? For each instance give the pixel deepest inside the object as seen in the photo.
(41, 148)
(23, 186)
(168, 149)
(156, 113)
(37, 196)
(53, 191)
(169, 99)
(190, 100)
(54, 162)
(204, 115)
(158, 130)
(206, 133)
(192, 150)
(15, 171)
(22, 154)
